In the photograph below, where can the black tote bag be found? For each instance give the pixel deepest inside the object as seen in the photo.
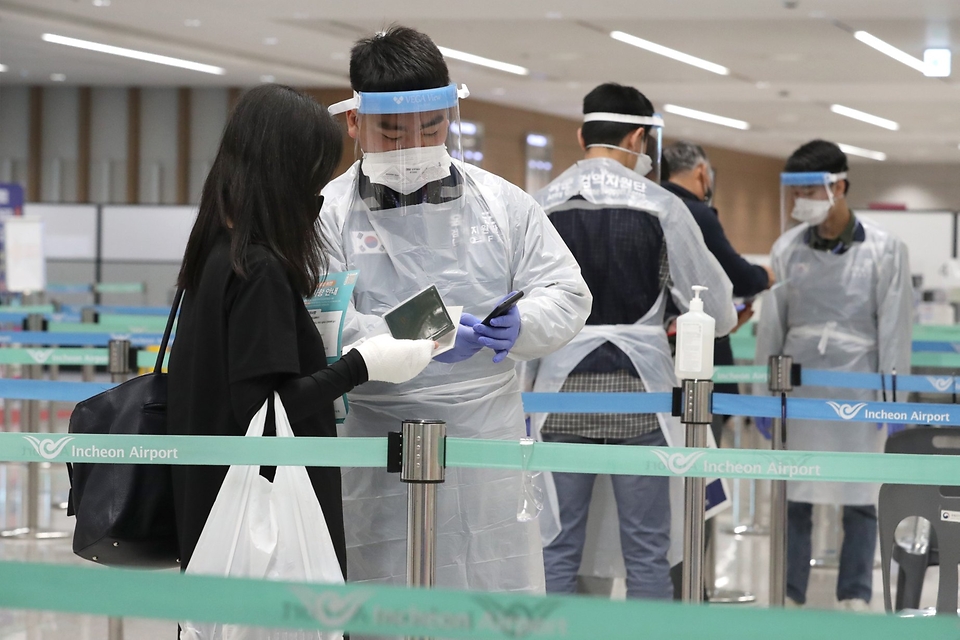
(125, 512)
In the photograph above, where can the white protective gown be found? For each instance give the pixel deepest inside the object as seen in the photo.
(606, 183)
(493, 240)
(842, 312)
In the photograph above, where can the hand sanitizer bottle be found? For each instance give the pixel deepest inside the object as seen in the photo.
(695, 335)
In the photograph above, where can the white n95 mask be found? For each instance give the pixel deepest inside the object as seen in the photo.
(407, 170)
(810, 210)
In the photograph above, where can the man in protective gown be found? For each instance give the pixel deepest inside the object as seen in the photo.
(410, 214)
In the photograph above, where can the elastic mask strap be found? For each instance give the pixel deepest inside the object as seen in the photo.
(613, 146)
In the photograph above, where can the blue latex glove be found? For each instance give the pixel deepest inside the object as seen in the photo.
(764, 426)
(502, 333)
(467, 344)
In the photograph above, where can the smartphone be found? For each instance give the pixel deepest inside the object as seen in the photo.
(422, 317)
(503, 308)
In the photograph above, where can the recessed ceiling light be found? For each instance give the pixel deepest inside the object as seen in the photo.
(193, 23)
(268, 78)
(888, 49)
(271, 40)
(101, 3)
(669, 53)
(3, 68)
(706, 117)
(132, 53)
(937, 62)
(849, 149)
(58, 77)
(863, 116)
(484, 62)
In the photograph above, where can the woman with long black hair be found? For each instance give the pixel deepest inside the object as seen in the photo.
(244, 333)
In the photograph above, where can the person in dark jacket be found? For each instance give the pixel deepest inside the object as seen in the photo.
(688, 176)
(686, 173)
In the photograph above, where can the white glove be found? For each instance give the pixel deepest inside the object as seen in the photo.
(392, 360)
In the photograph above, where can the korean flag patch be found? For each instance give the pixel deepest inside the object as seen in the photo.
(367, 242)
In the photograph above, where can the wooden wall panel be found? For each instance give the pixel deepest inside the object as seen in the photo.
(183, 145)
(83, 144)
(35, 148)
(133, 145)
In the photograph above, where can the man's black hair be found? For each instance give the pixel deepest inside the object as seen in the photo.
(398, 59)
(611, 97)
(818, 155)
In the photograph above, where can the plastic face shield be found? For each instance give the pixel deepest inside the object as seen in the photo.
(652, 144)
(407, 138)
(806, 197)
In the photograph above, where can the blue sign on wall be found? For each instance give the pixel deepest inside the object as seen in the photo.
(11, 199)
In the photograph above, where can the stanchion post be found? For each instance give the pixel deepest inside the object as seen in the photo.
(697, 414)
(88, 315)
(422, 468)
(780, 382)
(118, 365)
(118, 360)
(30, 422)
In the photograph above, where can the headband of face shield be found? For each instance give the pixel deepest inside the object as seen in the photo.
(404, 134)
(645, 164)
(799, 187)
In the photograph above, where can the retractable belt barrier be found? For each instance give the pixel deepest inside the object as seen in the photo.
(485, 454)
(117, 309)
(392, 611)
(723, 404)
(79, 338)
(70, 357)
(843, 379)
(926, 352)
(97, 287)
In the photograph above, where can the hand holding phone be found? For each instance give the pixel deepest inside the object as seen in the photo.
(501, 328)
(504, 307)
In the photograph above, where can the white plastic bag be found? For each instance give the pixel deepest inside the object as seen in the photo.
(259, 529)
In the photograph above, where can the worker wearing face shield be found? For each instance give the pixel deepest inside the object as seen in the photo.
(637, 245)
(410, 214)
(843, 302)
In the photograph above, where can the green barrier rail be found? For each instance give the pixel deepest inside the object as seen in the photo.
(111, 323)
(66, 356)
(119, 287)
(392, 611)
(36, 308)
(491, 454)
(740, 374)
(745, 347)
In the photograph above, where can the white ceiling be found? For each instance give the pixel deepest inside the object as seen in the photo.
(788, 64)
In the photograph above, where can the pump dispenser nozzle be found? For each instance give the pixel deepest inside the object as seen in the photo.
(696, 304)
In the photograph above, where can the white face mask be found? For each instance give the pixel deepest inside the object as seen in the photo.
(407, 170)
(811, 211)
(644, 162)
